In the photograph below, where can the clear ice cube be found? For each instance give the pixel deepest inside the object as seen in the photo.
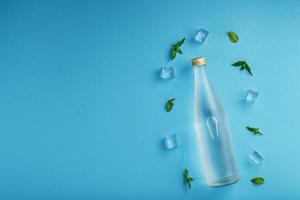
(255, 157)
(167, 73)
(251, 96)
(212, 125)
(170, 142)
(201, 35)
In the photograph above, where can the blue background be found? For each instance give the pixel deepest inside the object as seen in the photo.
(82, 108)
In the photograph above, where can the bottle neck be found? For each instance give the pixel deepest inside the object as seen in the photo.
(200, 71)
(200, 78)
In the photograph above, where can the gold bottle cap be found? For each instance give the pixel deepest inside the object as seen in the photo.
(198, 61)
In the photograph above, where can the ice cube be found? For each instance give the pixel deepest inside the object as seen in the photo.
(201, 35)
(170, 142)
(167, 73)
(251, 96)
(255, 157)
(187, 142)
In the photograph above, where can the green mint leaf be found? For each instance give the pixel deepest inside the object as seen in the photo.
(255, 131)
(234, 38)
(248, 69)
(185, 174)
(173, 99)
(178, 50)
(189, 184)
(175, 49)
(251, 129)
(187, 179)
(243, 65)
(178, 44)
(173, 54)
(238, 63)
(170, 104)
(258, 180)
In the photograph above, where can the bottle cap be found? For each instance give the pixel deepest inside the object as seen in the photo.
(198, 61)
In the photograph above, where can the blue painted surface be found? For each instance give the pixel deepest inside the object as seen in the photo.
(82, 110)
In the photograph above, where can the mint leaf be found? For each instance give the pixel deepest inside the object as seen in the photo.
(185, 173)
(178, 44)
(234, 38)
(173, 54)
(187, 179)
(189, 182)
(238, 63)
(170, 104)
(243, 65)
(255, 131)
(178, 50)
(248, 69)
(258, 180)
(175, 49)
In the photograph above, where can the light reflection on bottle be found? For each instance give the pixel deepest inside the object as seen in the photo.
(212, 125)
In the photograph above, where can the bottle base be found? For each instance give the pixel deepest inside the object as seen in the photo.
(226, 181)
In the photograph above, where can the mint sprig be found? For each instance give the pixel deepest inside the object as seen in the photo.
(255, 131)
(187, 178)
(234, 38)
(170, 104)
(176, 49)
(243, 65)
(258, 180)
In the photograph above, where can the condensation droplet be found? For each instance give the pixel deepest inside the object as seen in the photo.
(30, 97)
(60, 72)
(80, 111)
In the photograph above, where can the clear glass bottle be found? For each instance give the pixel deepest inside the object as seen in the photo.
(216, 149)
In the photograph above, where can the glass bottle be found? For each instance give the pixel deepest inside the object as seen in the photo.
(211, 126)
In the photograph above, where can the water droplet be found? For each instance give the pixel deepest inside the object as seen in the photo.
(212, 125)
(188, 142)
(80, 111)
(30, 97)
(60, 72)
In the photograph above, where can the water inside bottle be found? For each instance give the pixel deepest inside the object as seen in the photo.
(216, 149)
